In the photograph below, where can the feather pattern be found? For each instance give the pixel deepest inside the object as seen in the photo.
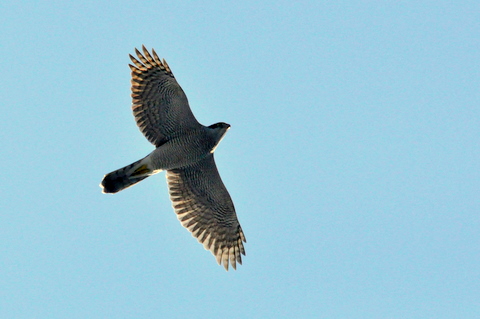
(204, 207)
(159, 104)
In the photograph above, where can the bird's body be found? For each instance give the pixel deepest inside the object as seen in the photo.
(184, 148)
(181, 151)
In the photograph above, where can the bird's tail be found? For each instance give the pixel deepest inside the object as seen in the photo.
(125, 177)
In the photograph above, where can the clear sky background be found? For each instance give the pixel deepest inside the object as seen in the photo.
(353, 159)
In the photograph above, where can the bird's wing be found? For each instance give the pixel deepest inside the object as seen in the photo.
(159, 105)
(204, 207)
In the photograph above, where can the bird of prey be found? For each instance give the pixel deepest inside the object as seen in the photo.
(184, 149)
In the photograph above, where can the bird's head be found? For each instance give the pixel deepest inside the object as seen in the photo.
(220, 126)
(218, 130)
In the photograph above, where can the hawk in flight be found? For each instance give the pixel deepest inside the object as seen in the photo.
(184, 149)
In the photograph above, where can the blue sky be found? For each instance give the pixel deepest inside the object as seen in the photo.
(353, 159)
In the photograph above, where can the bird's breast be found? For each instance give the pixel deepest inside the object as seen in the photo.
(180, 152)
